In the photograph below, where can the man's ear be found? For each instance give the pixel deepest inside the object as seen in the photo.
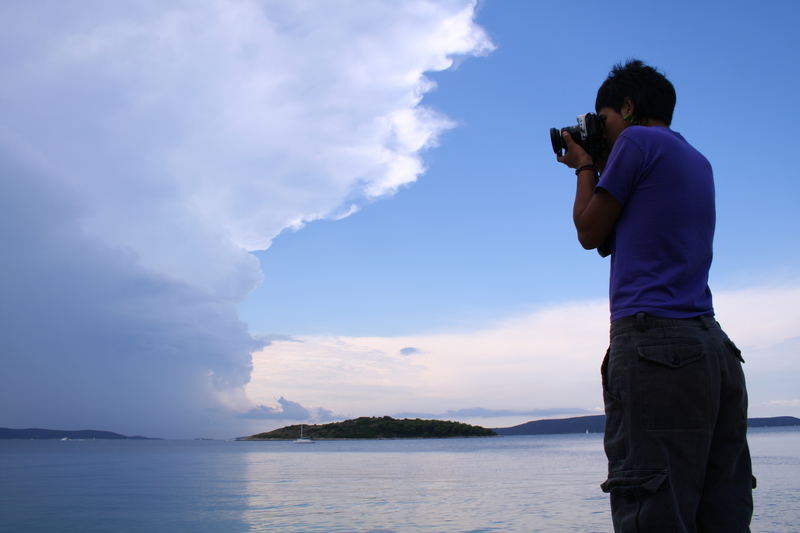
(628, 109)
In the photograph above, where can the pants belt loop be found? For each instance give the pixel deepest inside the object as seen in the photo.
(640, 325)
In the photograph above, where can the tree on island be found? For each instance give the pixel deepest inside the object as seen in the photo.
(384, 427)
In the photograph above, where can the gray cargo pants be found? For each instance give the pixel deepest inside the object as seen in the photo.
(676, 427)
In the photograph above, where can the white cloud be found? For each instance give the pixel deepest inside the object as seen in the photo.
(759, 316)
(152, 144)
(237, 118)
(548, 359)
(262, 114)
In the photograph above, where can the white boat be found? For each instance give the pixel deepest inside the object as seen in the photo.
(302, 439)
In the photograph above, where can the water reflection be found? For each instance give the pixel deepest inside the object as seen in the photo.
(506, 484)
(510, 484)
(122, 486)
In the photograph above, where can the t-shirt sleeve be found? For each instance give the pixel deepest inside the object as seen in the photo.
(623, 169)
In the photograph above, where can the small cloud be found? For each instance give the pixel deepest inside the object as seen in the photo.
(785, 403)
(409, 350)
(481, 412)
(280, 337)
(325, 415)
(493, 413)
(290, 410)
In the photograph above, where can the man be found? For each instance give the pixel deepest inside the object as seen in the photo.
(674, 391)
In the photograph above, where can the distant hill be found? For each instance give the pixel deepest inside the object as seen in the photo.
(595, 424)
(82, 434)
(377, 428)
(775, 421)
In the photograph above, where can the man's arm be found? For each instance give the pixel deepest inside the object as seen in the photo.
(595, 210)
(594, 213)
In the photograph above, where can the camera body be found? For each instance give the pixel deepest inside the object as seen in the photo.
(588, 134)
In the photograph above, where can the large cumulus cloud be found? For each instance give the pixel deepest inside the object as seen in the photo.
(90, 338)
(147, 146)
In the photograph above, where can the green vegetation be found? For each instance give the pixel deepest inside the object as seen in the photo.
(378, 428)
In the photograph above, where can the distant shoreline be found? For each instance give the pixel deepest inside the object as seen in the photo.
(59, 434)
(595, 424)
(559, 426)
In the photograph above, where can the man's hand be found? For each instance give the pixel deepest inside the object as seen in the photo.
(575, 156)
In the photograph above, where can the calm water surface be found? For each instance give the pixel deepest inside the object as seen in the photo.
(537, 483)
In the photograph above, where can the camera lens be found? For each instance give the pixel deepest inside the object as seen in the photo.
(557, 141)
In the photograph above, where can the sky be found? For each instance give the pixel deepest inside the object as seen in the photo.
(228, 216)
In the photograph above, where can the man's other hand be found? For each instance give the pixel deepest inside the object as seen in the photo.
(575, 156)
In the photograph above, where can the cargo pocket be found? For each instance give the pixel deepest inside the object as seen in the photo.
(613, 431)
(734, 350)
(640, 501)
(672, 384)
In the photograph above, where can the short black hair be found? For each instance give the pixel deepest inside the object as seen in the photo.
(652, 94)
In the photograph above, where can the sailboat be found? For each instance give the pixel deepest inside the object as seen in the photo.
(302, 439)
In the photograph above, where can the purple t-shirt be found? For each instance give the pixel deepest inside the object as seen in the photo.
(663, 238)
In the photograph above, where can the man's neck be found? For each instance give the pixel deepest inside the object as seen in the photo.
(654, 122)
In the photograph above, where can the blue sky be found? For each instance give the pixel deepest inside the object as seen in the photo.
(486, 231)
(309, 211)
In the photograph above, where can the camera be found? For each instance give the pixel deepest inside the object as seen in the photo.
(588, 134)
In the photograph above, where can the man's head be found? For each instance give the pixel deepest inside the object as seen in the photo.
(644, 92)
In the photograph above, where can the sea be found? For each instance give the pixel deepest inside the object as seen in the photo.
(548, 483)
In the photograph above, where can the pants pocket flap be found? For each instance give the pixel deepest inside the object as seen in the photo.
(674, 354)
(648, 481)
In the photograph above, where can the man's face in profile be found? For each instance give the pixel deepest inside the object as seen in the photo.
(613, 124)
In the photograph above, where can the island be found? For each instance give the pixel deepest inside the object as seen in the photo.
(384, 427)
